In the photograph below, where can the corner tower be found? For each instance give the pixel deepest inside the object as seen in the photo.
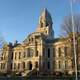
(45, 24)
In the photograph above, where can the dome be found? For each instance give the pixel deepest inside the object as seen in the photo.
(45, 16)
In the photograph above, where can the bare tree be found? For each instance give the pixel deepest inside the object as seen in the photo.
(66, 27)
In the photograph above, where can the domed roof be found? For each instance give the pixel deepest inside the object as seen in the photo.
(45, 15)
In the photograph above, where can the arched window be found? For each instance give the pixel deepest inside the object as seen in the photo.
(36, 64)
(29, 65)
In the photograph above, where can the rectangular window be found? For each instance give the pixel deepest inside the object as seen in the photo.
(65, 51)
(23, 65)
(48, 52)
(11, 66)
(48, 65)
(36, 64)
(14, 65)
(44, 65)
(65, 64)
(2, 65)
(24, 54)
(12, 55)
(18, 65)
(59, 64)
(19, 55)
(36, 53)
(54, 52)
(15, 54)
(44, 52)
(28, 52)
(59, 51)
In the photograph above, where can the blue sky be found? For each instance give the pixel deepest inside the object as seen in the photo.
(18, 18)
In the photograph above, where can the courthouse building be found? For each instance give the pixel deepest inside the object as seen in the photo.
(40, 51)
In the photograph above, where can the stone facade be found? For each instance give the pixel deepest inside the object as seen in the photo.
(39, 51)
